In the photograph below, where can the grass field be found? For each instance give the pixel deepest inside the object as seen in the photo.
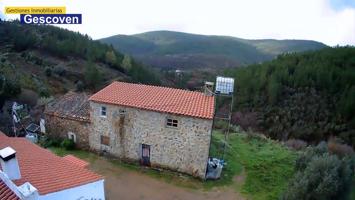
(266, 166)
(266, 163)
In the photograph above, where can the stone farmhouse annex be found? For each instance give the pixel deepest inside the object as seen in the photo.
(156, 126)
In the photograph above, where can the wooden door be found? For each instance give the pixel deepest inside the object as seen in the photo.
(145, 155)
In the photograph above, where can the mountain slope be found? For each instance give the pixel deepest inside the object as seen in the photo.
(179, 50)
(308, 96)
(48, 60)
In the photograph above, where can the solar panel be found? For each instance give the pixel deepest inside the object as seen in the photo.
(32, 128)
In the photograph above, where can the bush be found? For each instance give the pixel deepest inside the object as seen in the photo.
(46, 142)
(79, 86)
(59, 70)
(321, 175)
(43, 92)
(48, 71)
(93, 76)
(220, 124)
(296, 144)
(339, 149)
(68, 144)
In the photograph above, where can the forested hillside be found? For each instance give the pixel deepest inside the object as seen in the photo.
(168, 49)
(308, 96)
(48, 60)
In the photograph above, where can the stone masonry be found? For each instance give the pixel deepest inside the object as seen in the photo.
(184, 148)
(69, 114)
(60, 126)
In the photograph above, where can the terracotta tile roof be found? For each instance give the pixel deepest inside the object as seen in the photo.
(72, 105)
(6, 193)
(75, 160)
(161, 99)
(44, 170)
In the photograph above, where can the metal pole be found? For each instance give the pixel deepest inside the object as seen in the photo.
(226, 135)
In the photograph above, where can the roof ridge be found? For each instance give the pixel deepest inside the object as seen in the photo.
(158, 86)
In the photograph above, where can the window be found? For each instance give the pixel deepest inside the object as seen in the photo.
(103, 111)
(105, 140)
(72, 136)
(172, 122)
(122, 112)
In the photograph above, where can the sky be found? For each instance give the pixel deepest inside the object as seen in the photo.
(329, 21)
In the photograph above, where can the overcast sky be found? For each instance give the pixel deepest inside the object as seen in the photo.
(329, 21)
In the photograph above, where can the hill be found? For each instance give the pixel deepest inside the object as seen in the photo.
(46, 60)
(308, 96)
(167, 49)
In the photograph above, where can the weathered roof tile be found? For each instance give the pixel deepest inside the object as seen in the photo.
(155, 98)
(44, 170)
(71, 105)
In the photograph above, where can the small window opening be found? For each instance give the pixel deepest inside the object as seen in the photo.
(172, 122)
(105, 140)
(122, 112)
(103, 111)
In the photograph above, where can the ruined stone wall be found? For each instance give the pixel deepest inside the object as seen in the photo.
(59, 127)
(184, 149)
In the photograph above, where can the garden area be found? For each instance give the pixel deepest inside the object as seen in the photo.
(256, 168)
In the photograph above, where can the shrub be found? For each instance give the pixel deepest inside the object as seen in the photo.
(68, 144)
(93, 76)
(79, 86)
(46, 141)
(43, 92)
(296, 144)
(48, 71)
(339, 149)
(321, 175)
(59, 70)
(220, 124)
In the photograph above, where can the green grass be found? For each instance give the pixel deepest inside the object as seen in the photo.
(233, 167)
(268, 165)
(85, 155)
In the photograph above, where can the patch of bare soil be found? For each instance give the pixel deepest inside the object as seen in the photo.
(121, 183)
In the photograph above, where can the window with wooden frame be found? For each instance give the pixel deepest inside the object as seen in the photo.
(170, 122)
(105, 140)
(103, 112)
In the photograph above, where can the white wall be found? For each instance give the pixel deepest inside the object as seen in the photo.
(91, 191)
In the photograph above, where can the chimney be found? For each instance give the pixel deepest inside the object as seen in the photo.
(208, 88)
(28, 191)
(9, 163)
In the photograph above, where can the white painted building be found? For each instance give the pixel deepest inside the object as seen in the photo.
(29, 172)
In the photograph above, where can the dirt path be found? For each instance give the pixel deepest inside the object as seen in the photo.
(122, 184)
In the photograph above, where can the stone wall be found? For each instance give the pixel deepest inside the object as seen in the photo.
(59, 127)
(184, 149)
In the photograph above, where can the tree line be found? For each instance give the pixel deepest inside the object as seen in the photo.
(309, 95)
(67, 44)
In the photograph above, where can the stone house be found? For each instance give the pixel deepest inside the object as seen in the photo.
(69, 117)
(157, 126)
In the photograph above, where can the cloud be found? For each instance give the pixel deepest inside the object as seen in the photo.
(254, 19)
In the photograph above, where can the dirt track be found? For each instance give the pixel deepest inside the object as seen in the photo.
(122, 184)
